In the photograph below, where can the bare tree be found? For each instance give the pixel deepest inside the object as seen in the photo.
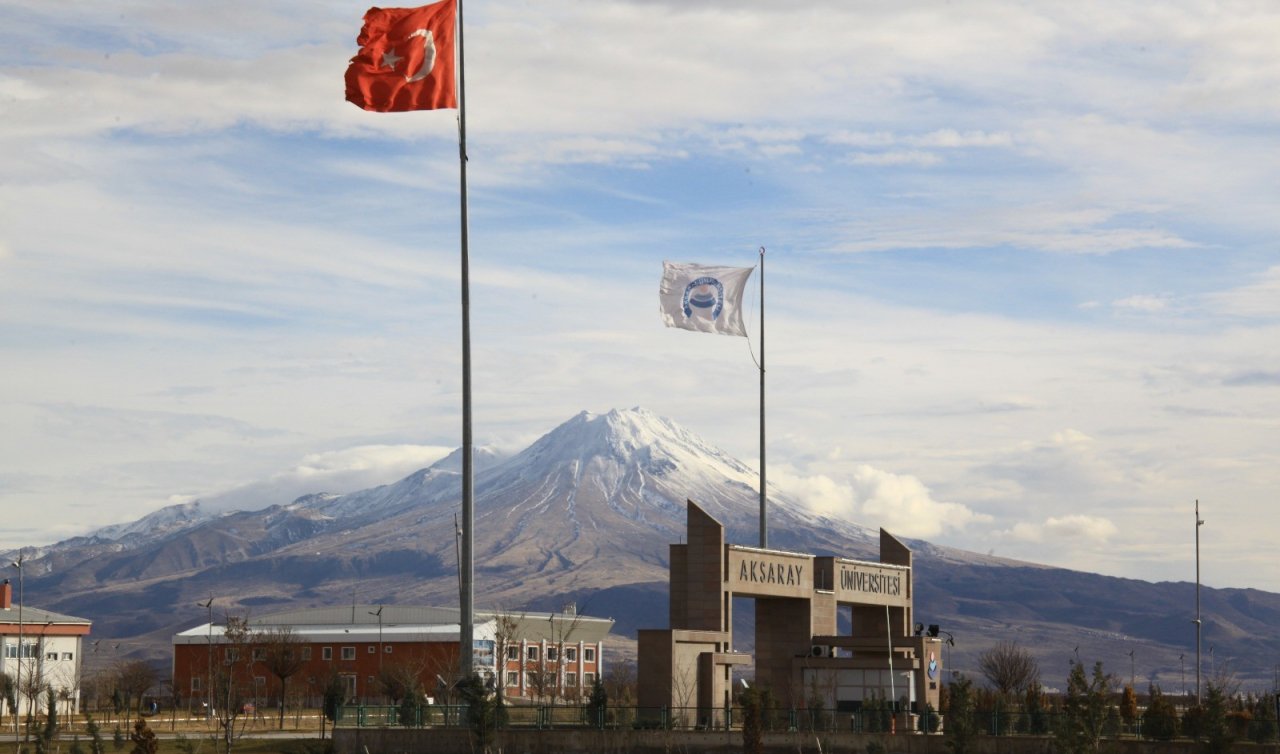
(134, 678)
(228, 684)
(1009, 667)
(282, 656)
(506, 637)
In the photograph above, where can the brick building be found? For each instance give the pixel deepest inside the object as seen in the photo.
(544, 655)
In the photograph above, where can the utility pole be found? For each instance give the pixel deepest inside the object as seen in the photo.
(1199, 523)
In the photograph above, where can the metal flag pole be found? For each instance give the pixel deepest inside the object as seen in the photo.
(1199, 523)
(764, 530)
(466, 617)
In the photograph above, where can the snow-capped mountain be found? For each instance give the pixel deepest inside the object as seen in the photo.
(586, 513)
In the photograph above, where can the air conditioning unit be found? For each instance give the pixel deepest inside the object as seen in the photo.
(820, 650)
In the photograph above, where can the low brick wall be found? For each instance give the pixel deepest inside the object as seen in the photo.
(454, 741)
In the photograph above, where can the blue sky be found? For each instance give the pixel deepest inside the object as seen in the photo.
(1022, 265)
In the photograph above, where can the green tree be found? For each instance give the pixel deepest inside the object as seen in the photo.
(1264, 726)
(1160, 721)
(755, 706)
(1084, 711)
(96, 745)
(1217, 735)
(961, 726)
(1037, 716)
(334, 692)
(597, 704)
(481, 711)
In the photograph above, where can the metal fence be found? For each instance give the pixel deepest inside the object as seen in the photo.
(569, 716)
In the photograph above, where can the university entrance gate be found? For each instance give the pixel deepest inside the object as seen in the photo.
(800, 655)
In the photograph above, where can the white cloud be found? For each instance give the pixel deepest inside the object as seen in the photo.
(1079, 530)
(899, 503)
(1142, 303)
(336, 471)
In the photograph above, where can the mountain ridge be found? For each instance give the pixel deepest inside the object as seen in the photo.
(586, 513)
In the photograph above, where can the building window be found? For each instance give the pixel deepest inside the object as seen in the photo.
(67, 656)
(50, 655)
(386, 650)
(348, 653)
(306, 654)
(570, 654)
(259, 680)
(553, 654)
(531, 654)
(513, 652)
(571, 680)
(370, 679)
(588, 679)
(326, 653)
(513, 678)
(589, 654)
(195, 683)
(372, 649)
(232, 654)
(259, 654)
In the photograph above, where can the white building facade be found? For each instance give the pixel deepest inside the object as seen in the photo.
(41, 650)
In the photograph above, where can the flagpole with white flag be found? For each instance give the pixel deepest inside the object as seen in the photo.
(707, 298)
(764, 529)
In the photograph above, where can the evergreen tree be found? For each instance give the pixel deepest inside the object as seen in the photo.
(1264, 726)
(96, 745)
(1084, 711)
(334, 691)
(1217, 735)
(1160, 721)
(597, 704)
(755, 705)
(481, 717)
(1037, 717)
(961, 726)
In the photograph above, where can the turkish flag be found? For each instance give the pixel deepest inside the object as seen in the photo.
(406, 59)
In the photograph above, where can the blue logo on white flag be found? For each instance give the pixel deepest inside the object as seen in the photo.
(704, 293)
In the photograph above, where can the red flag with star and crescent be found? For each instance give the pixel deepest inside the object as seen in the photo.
(406, 59)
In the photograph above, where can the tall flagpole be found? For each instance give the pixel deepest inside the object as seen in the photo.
(466, 617)
(764, 531)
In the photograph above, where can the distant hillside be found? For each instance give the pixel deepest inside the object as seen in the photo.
(587, 513)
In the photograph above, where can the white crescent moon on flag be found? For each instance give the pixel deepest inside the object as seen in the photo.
(428, 55)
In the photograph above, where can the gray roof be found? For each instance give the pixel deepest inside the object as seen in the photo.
(34, 615)
(408, 619)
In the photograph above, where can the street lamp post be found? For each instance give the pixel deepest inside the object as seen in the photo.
(1199, 523)
(208, 681)
(1182, 663)
(18, 676)
(378, 613)
(1132, 675)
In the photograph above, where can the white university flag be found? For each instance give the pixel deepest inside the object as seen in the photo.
(703, 298)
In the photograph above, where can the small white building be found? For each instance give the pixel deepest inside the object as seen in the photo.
(42, 650)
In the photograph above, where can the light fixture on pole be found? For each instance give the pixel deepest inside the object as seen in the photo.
(1197, 621)
(1182, 663)
(17, 713)
(208, 680)
(378, 613)
(1132, 674)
